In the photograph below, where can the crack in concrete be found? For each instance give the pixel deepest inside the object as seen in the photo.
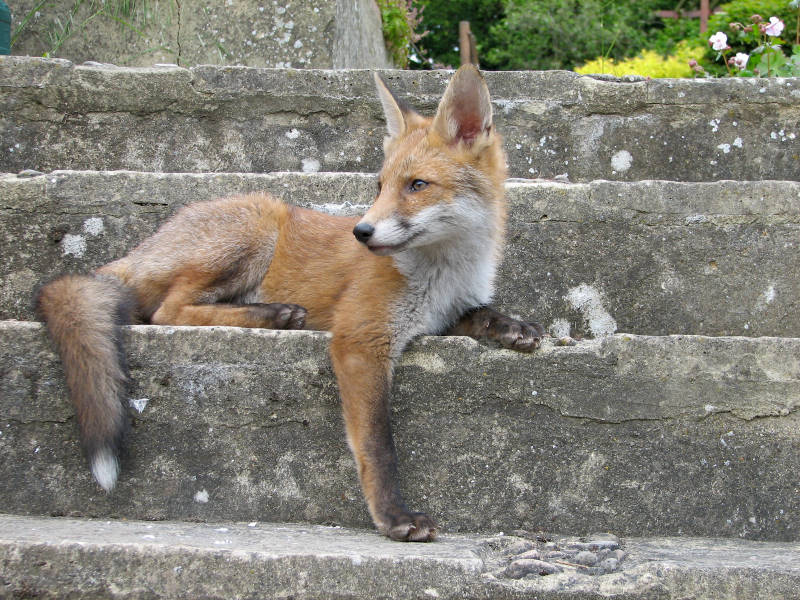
(713, 221)
(266, 423)
(20, 422)
(178, 37)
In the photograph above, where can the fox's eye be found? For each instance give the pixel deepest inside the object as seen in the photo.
(417, 185)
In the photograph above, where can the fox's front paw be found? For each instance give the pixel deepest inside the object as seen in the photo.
(410, 527)
(517, 335)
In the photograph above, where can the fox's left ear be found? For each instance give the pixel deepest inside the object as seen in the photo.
(465, 111)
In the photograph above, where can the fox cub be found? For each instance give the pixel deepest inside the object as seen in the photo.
(421, 261)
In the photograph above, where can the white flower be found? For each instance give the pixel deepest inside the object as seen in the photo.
(740, 60)
(718, 41)
(775, 27)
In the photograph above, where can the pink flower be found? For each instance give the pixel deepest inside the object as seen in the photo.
(775, 27)
(740, 60)
(718, 41)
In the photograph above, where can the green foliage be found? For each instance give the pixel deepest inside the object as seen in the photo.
(648, 63)
(400, 19)
(441, 18)
(665, 36)
(552, 34)
(557, 34)
(780, 65)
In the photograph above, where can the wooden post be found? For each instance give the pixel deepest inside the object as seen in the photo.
(467, 48)
(464, 42)
(473, 50)
(705, 11)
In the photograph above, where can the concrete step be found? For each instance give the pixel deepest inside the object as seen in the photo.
(679, 435)
(55, 115)
(649, 257)
(293, 33)
(68, 558)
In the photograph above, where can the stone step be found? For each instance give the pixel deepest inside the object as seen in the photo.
(55, 115)
(68, 558)
(678, 435)
(295, 33)
(649, 257)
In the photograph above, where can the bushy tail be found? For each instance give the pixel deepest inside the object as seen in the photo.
(83, 316)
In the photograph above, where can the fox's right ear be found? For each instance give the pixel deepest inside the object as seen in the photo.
(395, 111)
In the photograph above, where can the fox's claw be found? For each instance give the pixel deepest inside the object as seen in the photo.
(411, 527)
(290, 316)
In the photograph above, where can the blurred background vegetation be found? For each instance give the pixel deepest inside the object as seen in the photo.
(612, 36)
(551, 34)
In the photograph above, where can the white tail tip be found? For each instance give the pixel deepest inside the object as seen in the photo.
(105, 469)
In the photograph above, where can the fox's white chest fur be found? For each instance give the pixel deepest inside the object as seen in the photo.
(445, 280)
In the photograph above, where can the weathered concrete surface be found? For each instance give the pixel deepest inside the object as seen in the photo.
(359, 37)
(293, 33)
(650, 257)
(54, 115)
(674, 435)
(66, 558)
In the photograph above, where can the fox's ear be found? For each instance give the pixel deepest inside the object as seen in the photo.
(465, 112)
(394, 110)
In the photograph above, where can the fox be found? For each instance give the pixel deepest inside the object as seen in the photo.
(421, 260)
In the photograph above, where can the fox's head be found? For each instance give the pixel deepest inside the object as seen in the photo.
(442, 177)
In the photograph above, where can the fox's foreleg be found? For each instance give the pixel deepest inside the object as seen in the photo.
(486, 323)
(364, 378)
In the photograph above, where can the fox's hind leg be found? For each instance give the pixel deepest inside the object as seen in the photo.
(186, 303)
(266, 316)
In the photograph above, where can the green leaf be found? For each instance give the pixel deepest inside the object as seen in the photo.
(776, 59)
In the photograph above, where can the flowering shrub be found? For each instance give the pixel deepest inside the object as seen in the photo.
(745, 44)
(648, 63)
(740, 11)
(765, 58)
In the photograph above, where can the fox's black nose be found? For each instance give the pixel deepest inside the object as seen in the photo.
(363, 231)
